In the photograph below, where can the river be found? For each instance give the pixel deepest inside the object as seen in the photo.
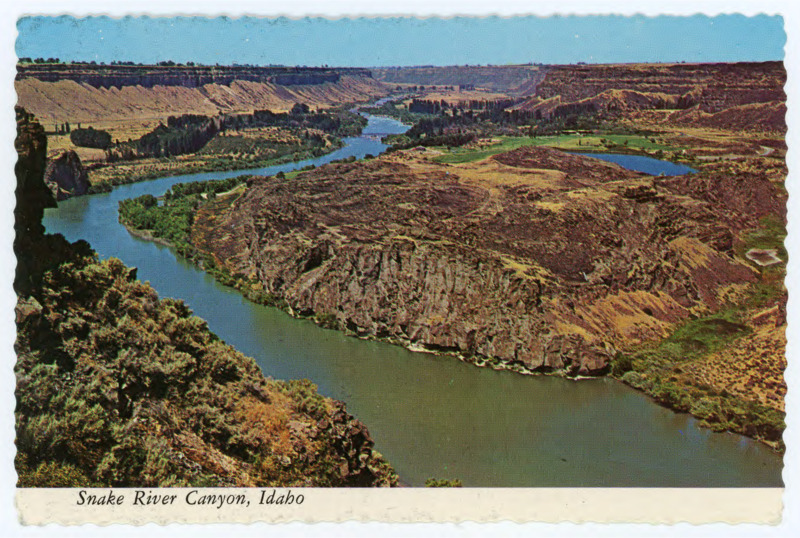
(430, 415)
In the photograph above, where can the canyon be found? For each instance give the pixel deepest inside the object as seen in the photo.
(504, 247)
(130, 100)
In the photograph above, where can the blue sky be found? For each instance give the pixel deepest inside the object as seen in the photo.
(404, 41)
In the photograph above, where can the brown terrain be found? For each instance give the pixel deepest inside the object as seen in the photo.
(712, 86)
(534, 257)
(128, 101)
(512, 79)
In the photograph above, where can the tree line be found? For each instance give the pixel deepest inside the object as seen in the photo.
(189, 133)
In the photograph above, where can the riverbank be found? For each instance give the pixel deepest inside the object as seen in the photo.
(718, 410)
(118, 387)
(106, 178)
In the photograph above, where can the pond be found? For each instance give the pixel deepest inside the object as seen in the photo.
(641, 163)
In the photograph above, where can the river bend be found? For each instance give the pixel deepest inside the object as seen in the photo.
(434, 416)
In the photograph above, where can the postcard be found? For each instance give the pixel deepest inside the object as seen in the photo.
(527, 268)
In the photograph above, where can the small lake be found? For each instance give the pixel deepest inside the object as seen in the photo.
(434, 416)
(641, 163)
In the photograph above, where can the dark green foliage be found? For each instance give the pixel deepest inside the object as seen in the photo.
(622, 363)
(90, 138)
(391, 110)
(327, 320)
(51, 474)
(299, 109)
(450, 140)
(118, 388)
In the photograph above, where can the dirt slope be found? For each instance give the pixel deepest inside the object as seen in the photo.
(119, 108)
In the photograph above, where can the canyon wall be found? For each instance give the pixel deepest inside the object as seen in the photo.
(511, 79)
(118, 97)
(148, 76)
(535, 257)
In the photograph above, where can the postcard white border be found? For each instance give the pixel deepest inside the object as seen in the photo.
(39, 506)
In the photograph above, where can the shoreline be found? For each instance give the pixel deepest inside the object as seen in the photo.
(189, 168)
(478, 361)
(147, 235)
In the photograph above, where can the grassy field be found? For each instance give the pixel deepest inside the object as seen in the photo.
(615, 143)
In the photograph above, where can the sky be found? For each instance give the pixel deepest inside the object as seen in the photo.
(404, 41)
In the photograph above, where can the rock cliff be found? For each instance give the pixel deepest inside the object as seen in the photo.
(533, 258)
(66, 176)
(148, 76)
(713, 87)
(126, 98)
(733, 96)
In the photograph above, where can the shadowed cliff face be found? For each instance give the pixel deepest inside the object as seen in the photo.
(534, 257)
(32, 194)
(108, 76)
(65, 176)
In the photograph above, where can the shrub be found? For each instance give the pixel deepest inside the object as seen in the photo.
(90, 138)
(53, 474)
(443, 483)
(622, 363)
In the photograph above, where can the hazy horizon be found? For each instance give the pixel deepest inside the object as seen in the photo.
(404, 42)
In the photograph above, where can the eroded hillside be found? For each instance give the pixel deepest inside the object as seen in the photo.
(129, 100)
(537, 257)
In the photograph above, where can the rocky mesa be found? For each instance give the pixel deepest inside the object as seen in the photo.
(534, 259)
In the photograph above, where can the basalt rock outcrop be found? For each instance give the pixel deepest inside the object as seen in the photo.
(66, 176)
(534, 257)
(148, 76)
(733, 96)
(32, 195)
(713, 87)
